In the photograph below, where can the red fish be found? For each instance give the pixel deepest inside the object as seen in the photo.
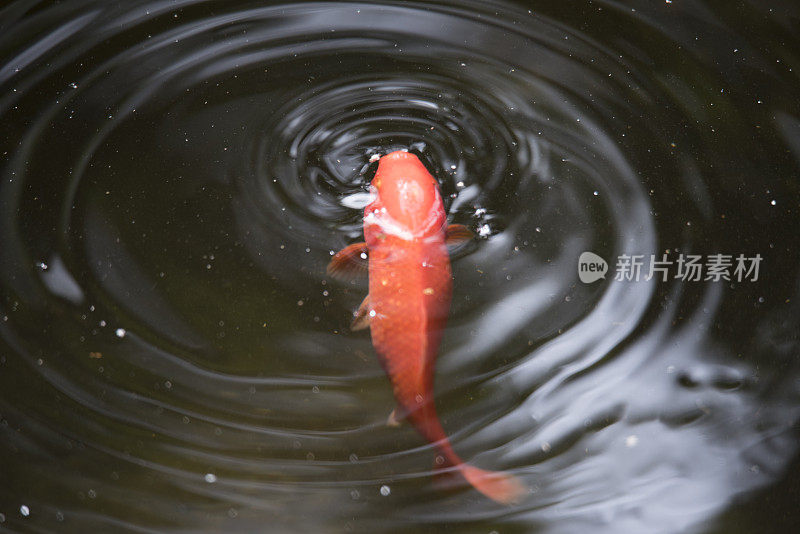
(410, 286)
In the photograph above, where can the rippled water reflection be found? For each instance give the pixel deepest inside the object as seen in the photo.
(176, 174)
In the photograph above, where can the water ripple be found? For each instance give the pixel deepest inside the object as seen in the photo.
(176, 176)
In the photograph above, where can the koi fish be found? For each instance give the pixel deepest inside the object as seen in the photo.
(410, 285)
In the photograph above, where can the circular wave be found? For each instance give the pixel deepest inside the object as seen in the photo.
(181, 173)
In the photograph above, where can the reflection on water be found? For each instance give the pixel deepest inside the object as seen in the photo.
(175, 176)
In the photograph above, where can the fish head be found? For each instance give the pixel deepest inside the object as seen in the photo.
(406, 198)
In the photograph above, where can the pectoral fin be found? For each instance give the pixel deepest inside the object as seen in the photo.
(361, 319)
(455, 234)
(349, 263)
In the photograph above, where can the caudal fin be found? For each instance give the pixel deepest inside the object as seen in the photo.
(498, 486)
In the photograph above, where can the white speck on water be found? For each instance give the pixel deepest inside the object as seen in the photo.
(42, 265)
(315, 389)
(121, 332)
(452, 167)
(354, 457)
(210, 478)
(372, 313)
(546, 447)
(631, 441)
(363, 256)
(355, 495)
(331, 252)
(484, 230)
(24, 510)
(459, 184)
(386, 490)
(480, 212)
(774, 202)
(375, 157)
(595, 193)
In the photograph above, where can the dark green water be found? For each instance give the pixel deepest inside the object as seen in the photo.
(174, 176)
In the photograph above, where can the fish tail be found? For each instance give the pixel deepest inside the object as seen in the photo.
(503, 488)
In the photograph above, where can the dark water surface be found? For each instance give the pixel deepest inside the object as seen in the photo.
(175, 174)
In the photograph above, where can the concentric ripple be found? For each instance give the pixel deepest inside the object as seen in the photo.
(176, 176)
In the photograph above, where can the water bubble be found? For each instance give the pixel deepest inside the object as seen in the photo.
(120, 332)
(210, 478)
(386, 490)
(24, 510)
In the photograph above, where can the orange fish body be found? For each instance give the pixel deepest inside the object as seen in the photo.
(410, 286)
